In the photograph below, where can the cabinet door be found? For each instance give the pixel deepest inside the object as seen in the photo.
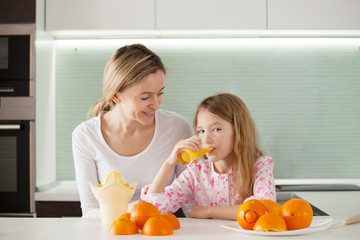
(310, 14)
(210, 14)
(19, 11)
(99, 14)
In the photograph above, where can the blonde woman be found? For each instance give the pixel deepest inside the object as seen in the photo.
(129, 132)
(235, 169)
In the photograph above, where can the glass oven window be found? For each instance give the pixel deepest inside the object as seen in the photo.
(4, 52)
(8, 162)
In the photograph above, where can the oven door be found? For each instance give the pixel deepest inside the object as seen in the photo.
(14, 167)
(14, 65)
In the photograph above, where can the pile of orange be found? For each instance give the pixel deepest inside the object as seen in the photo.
(147, 218)
(269, 216)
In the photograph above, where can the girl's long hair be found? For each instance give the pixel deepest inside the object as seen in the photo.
(246, 147)
(126, 67)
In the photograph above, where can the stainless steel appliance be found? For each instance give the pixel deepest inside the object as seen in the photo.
(14, 65)
(17, 119)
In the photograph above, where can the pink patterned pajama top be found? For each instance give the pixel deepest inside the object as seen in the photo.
(200, 185)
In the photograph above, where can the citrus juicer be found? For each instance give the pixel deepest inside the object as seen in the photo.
(113, 195)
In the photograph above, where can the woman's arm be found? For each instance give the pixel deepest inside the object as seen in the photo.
(85, 171)
(223, 212)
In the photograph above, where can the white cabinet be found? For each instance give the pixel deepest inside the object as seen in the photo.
(210, 14)
(154, 14)
(99, 14)
(314, 14)
(201, 14)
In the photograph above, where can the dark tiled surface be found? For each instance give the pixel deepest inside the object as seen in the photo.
(282, 197)
(318, 187)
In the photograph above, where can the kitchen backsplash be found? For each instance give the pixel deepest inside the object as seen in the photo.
(304, 94)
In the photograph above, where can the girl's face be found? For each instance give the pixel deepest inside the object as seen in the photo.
(140, 101)
(218, 134)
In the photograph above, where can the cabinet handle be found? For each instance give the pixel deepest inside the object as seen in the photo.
(10, 126)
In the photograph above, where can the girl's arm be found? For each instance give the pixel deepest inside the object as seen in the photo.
(159, 182)
(175, 196)
(223, 212)
(264, 186)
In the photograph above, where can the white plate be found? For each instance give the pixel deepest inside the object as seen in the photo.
(318, 224)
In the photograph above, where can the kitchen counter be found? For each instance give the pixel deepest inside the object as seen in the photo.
(338, 205)
(67, 190)
(89, 229)
(60, 191)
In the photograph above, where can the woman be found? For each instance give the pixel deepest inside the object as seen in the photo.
(129, 132)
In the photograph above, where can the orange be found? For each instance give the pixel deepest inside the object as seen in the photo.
(297, 214)
(249, 212)
(157, 226)
(142, 211)
(172, 219)
(123, 226)
(274, 207)
(125, 215)
(270, 222)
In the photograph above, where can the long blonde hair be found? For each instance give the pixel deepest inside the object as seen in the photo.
(126, 67)
(246, 147)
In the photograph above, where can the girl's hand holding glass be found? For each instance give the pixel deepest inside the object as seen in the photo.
(193, 143)
(187, 156)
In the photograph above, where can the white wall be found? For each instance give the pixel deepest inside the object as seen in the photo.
(45, 102)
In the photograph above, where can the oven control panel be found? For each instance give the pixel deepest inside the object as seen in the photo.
(15, 88)
(6, 88)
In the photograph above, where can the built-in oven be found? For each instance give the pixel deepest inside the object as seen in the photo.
(14, 65)
(14, 166)
(17, 120)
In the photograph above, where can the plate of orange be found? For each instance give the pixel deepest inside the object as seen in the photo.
(317, 224)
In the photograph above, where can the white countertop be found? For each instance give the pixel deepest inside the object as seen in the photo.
(93, 229)
(339, 205)
(67, 190)
(62, 191)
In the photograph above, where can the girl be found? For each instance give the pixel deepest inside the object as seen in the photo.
(235, 169)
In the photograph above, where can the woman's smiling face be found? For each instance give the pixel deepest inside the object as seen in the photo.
(140, 101)
(216, 133)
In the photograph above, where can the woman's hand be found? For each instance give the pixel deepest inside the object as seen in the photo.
(132, 204)
(193, 143)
